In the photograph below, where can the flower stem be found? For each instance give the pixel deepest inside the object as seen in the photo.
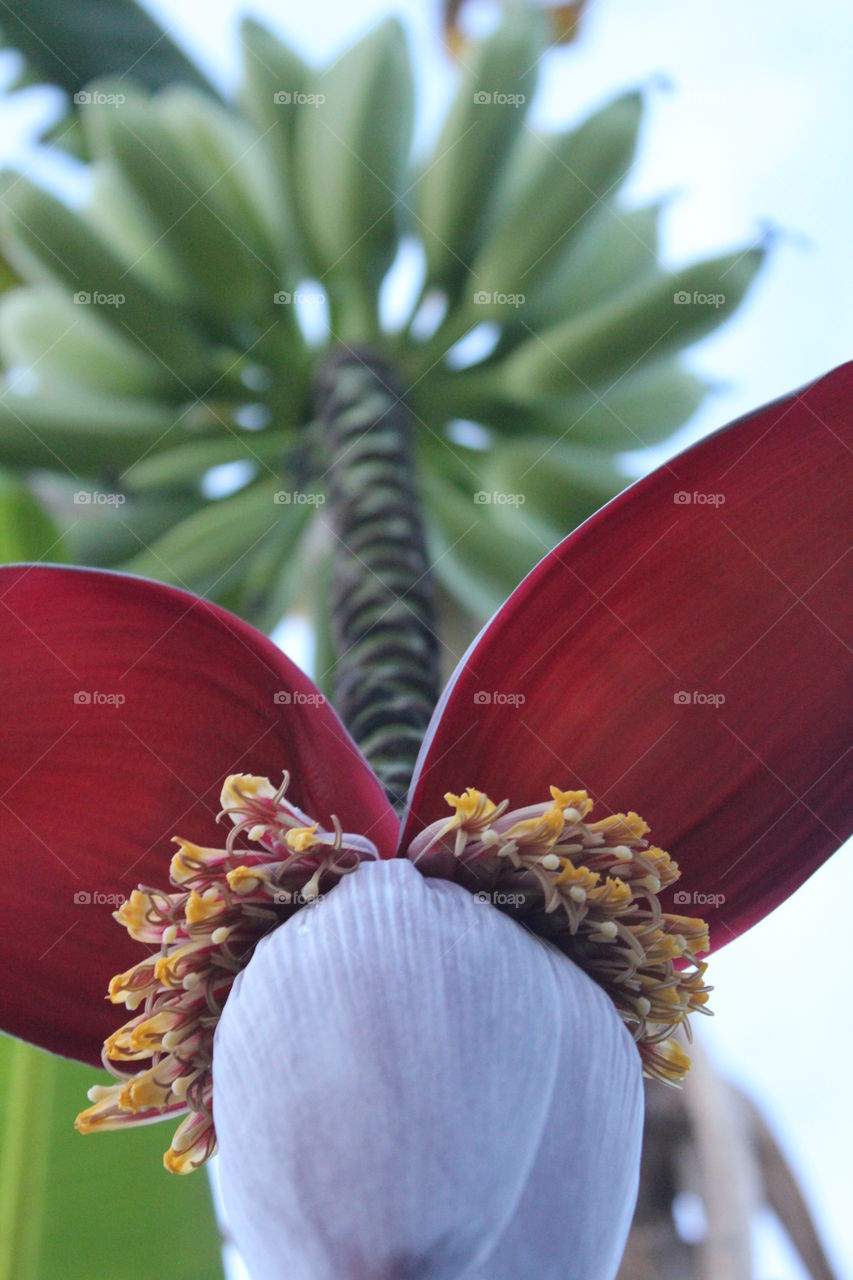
(381, 597)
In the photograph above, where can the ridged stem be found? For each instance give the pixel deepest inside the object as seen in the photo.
(381, 597)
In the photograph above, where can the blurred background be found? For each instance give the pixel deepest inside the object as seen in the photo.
(746, 139)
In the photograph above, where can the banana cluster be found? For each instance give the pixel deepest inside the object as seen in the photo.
(161, 352)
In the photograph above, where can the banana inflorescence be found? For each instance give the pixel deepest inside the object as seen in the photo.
(161, 352)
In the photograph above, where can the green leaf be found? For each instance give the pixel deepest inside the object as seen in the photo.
(85, 1208)
(70, 44)
(26, 531)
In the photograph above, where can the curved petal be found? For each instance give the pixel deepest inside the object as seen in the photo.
(447, 1096)
(125, 705)
(686, 653)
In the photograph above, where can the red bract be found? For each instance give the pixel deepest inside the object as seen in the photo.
(686, 653)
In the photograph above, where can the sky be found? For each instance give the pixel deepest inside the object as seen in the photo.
(745, 130)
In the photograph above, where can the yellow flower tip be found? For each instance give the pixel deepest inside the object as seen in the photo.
(203, 906)
(243, 880)
(301, 839)
(144, 1093)
(240, 787)
(624, 826)
(472, 806)
(177, 1161)
(133, 912)
(122, 1046)
(668, 1061)
(193, 860)
(577, 802)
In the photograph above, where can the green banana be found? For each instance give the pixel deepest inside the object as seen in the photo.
(272, 573)
(640, 409)
(548, 485)
(188, 463)
(276, 83)
(84, 434)
(108, 535)
(646, 324)
(45, 240)
(351, 150)
(614, 248)
(67, 345)
(233, 169)
(550, 188)
(229, 280)
(469, 552)
(206, 552)
(453, 193)
(116, 215)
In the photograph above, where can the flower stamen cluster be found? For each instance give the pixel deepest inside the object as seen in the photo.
(200, 936)
(592, 889)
